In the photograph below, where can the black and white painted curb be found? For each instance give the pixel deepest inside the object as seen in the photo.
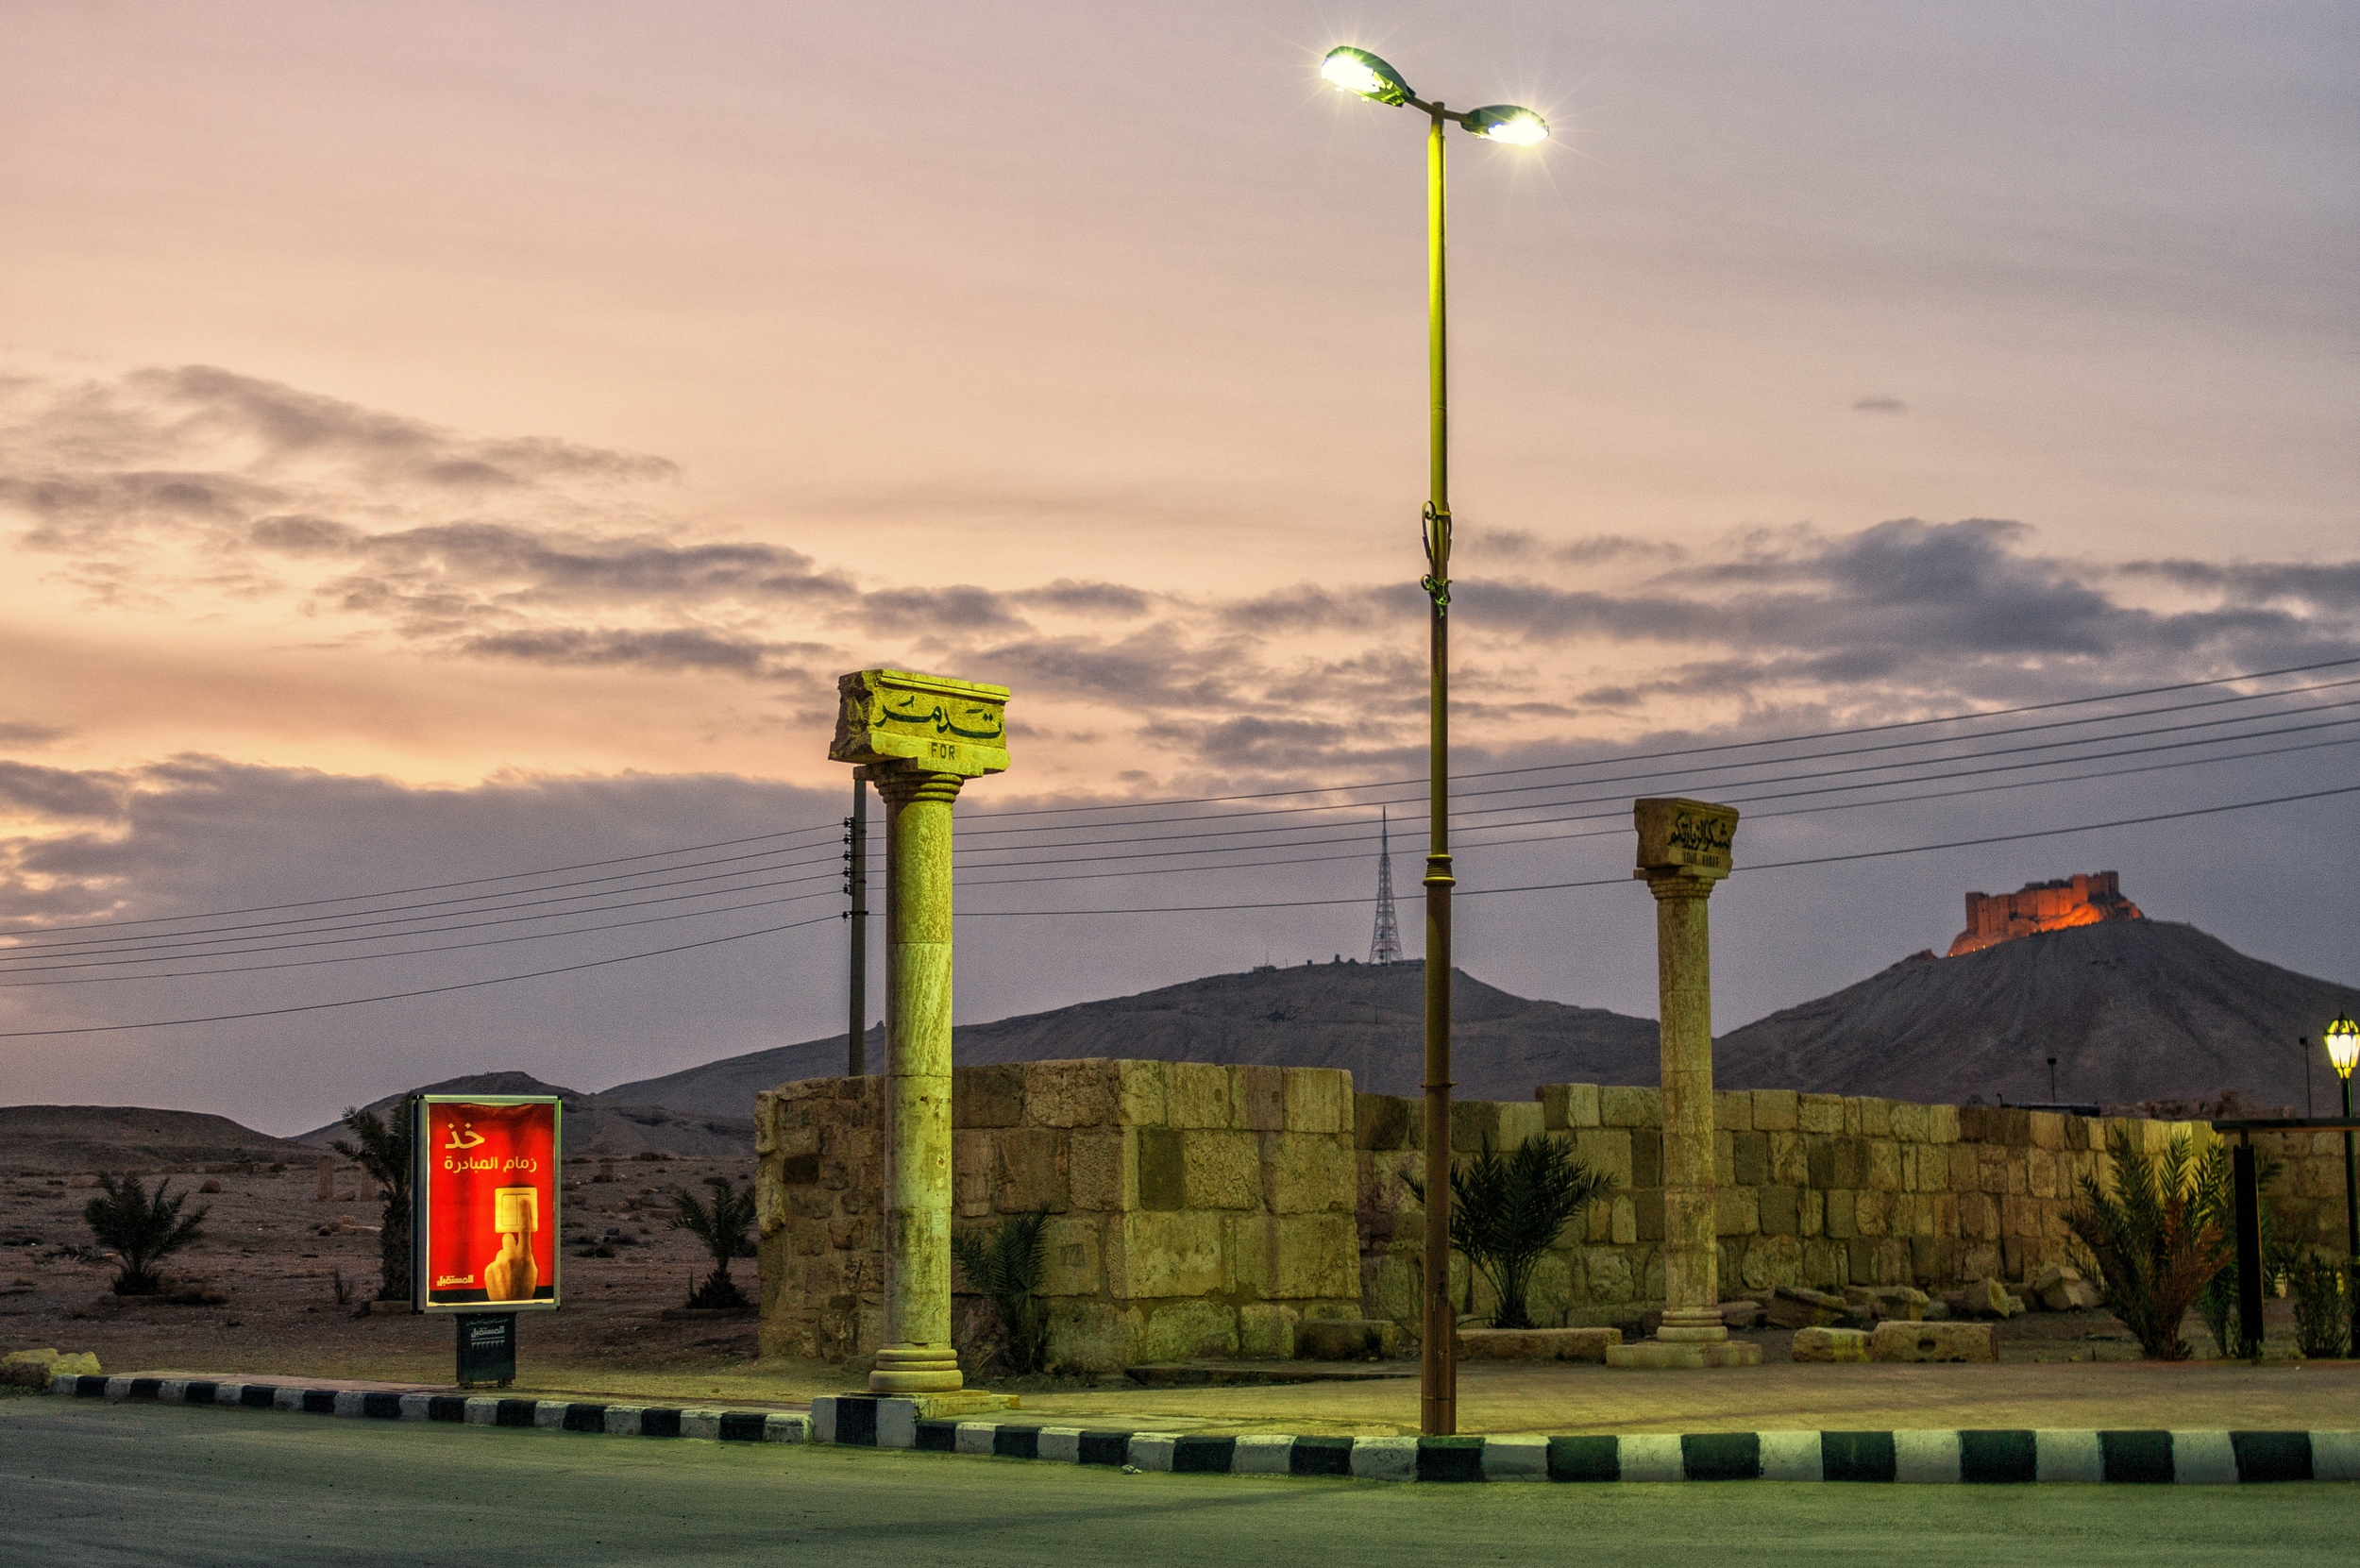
(2184, 1456)
(631, 1420)
(2187, 1458)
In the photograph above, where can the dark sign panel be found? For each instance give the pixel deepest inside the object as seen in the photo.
(485, 1229)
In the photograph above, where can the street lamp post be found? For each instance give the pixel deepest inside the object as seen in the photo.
(2343, 1049)
(1358, 72)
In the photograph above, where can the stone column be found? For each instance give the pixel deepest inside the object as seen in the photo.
(918, 738)
(916, 1357)
(1684, 850)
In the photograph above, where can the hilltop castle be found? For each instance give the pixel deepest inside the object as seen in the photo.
(1992, 919)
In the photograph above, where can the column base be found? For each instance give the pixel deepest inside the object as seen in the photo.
(915, 1369)
(1692, 1326)
(1662, 1354)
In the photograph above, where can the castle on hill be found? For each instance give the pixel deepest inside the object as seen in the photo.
(1995, 918)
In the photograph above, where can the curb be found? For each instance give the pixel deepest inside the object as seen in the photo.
(1972, 1457)
(635, 1421)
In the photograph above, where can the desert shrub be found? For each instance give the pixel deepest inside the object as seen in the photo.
(384, 1152)
(726, 1227)
(1005, 1264)
(1506, 1211)
(141, 1231)
(2157, 1237)
(2321, 1283)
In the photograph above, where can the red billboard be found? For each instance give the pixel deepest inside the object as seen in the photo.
(484, 1228)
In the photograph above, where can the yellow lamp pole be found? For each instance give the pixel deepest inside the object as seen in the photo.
(2342, 1038)
(1358, 72)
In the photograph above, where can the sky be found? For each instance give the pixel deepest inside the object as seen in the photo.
(443, 443)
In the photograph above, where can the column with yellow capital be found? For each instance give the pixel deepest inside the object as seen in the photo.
(1684, 850)
(918, 738)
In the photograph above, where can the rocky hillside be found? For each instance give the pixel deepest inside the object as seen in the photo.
(604, 1126)
(1369, 1021)
(120, 1139)
(2140, 1010)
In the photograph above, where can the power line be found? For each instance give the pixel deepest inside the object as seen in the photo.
(1603, 881)
(398, 996)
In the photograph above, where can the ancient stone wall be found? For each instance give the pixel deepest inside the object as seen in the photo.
(1202, 1210)
(1815, 1189)
(1196, 1210)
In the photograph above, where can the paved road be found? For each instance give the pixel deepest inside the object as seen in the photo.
(87, 1483)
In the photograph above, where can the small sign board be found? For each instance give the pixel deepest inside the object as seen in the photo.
(484, 1221)
(1689, 838)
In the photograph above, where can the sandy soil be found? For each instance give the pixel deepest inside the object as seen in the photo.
(278, 1312)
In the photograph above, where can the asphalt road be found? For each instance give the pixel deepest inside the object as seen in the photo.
(90, 1483)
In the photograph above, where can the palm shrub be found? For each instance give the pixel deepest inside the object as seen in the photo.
(2217, 1303)
(1507, 1210)
(2157, 1239)
(1005, 1264)
(384, 1152)
(2322, 1309)
(141, 1231)
(726, 1227)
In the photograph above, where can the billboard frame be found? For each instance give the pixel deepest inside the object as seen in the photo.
(421, 1209)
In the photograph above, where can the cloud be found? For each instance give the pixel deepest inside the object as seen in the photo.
(1879, 404)
(25, 737)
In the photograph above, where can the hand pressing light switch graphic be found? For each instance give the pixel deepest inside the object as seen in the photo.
(515, 1215)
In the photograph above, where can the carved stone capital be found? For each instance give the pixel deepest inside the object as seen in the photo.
(889, 720)
(1686, 840)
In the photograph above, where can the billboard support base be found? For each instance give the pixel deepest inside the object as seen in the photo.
(487, 1348)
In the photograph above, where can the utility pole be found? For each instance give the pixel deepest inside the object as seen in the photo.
(856, 884)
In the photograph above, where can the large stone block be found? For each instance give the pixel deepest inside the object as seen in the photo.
(1781, 1211)
(1188, 1330)
(1646, 1204)
(1169, 1254)
(1622, 1221)
(1071, 1262)
(1566, 1106)
(1318, 1257)
(1842, 1204)
(1733, 1111)
(1606, 1150)
(1223, 1169)
(1607, 1273)
(1260, 1098)
(1536, 1345)
(1647, 1157)
(1163, 1169)
(1102, 1168)
(1139, 1094)
(1384, 1121)
(1884, 1165)
(1909, 1121)
(989, 1096)
(1197, 1094)
(1737, 1212)
(1819, 1113)
(1520, 1122)
(1775, 1110)
(1032, 1171)
(1628, 1105)
(1473, 1125)
(1942, 1123)
(1319, 1100)
(1875, 1117)
(1069, 1094)
(973, 1163)
(1830, 1345)
(1307, 1173)
(1790, 1159)
(1092, 1336)
(2047, 1129)
(1933, 1341)
(1266, 1329)
(1750, 1158)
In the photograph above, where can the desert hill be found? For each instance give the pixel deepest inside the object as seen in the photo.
(2135, 1010)
(1368, 1020)
(601, 1127)
(129, 1138)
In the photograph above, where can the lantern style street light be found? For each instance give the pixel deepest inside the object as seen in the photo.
(1358, 72)
(2342, 1038)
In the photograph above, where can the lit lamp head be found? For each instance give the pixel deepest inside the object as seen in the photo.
(2343, 1045)
(1354, 69)
(1517, 127)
